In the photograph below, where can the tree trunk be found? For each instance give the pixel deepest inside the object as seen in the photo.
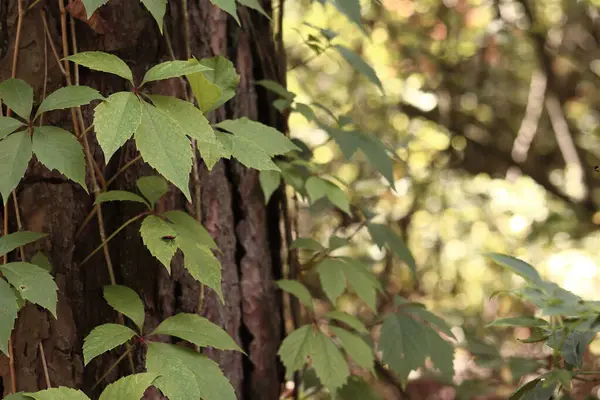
(231, 200)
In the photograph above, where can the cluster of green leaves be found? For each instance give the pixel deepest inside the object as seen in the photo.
(26, 282)
(570, 325)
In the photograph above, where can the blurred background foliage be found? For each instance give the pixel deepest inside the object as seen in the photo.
(491, 108)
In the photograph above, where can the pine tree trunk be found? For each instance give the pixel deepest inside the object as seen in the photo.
(232, 203)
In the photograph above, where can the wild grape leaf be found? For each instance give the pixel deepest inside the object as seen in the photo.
(298, 290)
(157, 8)
(60, 150)
(269, 139)
(215, 87)
(275, 87)
(104, 338)
(8, 314)
(269, 182)
(67, 97)
(197, 330)
(163, 148)
(129, 387)
(169, 360)
(59, 393)
(186, 225)
(173, 69)
(115, 120)
(295, 348)
(13, 240)
(349, 320)
(383, 236)
(228, 6)
(332, 278)
(126, 301)
(153, 230)
(8, 125)
(33, 284)
(120, 195)
(328, 361)
(152, 187)
(15, 153)
(517, 266)
(18, 96)
(92, 5)
(359, 64)
(189, 119)
(105, 62)
(356, 348)
(255, 5)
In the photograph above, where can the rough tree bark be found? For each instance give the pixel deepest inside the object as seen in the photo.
(232, 203)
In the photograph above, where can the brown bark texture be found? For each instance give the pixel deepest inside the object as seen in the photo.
(232, 203)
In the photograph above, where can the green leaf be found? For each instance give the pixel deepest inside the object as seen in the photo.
(349, 320)
(18, 96)
(60, 150)
(255, 5)
(173, 69)
(186, 117)
(92, 5)
(329, 363)
(8, 314)
(318, 188)
(247, 152)
(356, 348)
(332, 278)
(228, 6)
(197, 330)
(336, 242)
(518, 321)
(163, 148)
(126, 301)
(215, 87)
(269, 139)
(207, 94)
(184, 367)
(157, 8)
(120, 195)
(8, 125)
(105, 62)
(15, 153)
(13, 240)
(201, 263)
(433, 319)
(17, 396)
(517, 266)
(359, 64)
(186, 225)
(536, 389)
(153, 230)
(573, 345)
(384, 235)
(67, 97)
(298, 290)
(269, 182)
(307, 243)
(41, 261)
(358, 278)
(295, 348)
(33, 284)
(351, 9)
(357, 389)
(115, 120)
(59, 393)
(131, 387)
(104, 338)
(212, 153)
(275, 87)
(152, 187)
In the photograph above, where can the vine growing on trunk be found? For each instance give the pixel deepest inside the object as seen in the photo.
(167, 131)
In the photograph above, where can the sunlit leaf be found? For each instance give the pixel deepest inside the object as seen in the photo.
(105, 62)
(517, 266)
(215, 87)
(173, 69)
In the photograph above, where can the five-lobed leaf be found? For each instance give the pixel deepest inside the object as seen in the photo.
(173, 69)
(126, 301)
(58, 149)
(120, 195)
(104, 338)
(105, 62)
(33, 283)
(11, 241)
(15, 153)
(152, 187)
(8, 314)
(131, 387)
(67, 97)
(197, 330)
(163, 148)
(297, 289)
(115, 120)
(18, 96)
(8, 125)
(153, 230)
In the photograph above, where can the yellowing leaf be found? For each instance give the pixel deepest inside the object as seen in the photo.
(104, 338)
(215, 87)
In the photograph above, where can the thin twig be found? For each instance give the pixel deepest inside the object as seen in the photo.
(126, 353)
(44, 365)
(20, 14)
(122, 169)
(52, 46)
